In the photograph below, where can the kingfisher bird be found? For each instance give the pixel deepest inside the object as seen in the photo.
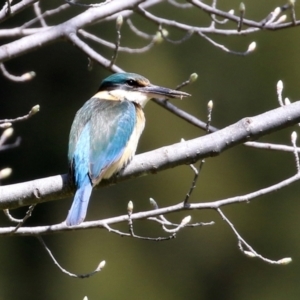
(105, 133)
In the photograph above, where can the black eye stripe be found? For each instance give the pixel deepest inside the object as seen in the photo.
(131, 82)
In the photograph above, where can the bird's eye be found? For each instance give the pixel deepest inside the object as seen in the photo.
(131, 82)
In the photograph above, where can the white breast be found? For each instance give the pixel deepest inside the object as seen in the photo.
(131, 146)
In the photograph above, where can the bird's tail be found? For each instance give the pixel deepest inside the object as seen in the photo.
(80, 203)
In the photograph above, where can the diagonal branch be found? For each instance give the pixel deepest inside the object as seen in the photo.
(251, 128)
(40, 39)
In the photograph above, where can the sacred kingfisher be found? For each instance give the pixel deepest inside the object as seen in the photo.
(105, 133)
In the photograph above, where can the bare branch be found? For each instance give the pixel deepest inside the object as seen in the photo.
(112, 46)
(11, 146)
(133, 235)
(119, 23)
(57, 187)
(250, 251)
(138, 32)
(64, 30)
(62, 227)
(88, 5)
(39, 14)
(80, 276)
(25, 77)
(92, 53)
(45, 14)
(19, 221)
(180, 5)
(296, 155)
(187, 35)
(242, 14)
(35, 109)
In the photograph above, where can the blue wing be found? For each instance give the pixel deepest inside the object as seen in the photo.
(98, 138)
(83, 183)
(112, 125)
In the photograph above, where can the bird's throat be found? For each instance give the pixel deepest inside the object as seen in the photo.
(121, 95)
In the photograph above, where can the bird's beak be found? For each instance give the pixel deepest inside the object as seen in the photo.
(155, 91)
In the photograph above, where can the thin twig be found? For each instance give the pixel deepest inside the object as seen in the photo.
(293, 12)
(19, 221)
(133, 235)
(193, 185)
(81, 276)
(25, 77)
(92, 53)
(188, 34)
(180, 5)
(88, 5)
(242, 14)
(168, 223)
(39, 14)
(113, 46)
(138, 32)
(250, 251)
(193, 77)
(222, 47)
(119, 23)
(296, 155)
(45, 14)
(8, 12)
(32, 112)
(11, 146)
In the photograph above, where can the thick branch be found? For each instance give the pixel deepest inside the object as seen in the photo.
(40, 39)
(251, 128)
(62, 227)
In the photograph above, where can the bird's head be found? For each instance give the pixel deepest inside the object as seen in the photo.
(135, 88)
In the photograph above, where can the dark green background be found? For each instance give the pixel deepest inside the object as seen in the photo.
(201, 263)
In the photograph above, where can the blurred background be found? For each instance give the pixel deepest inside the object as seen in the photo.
(203, 262)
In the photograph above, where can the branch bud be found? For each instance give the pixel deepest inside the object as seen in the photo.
(4, 173)
(130, 207)
(281, 19)
(249, 254)
(242, 7)
(210, 105)
(287, 101)
(285, 261)
(252, 47)
(186, 220)
(279, 86)
(153, 203)
(101, 265)
(193, 77)
(158, 38)
(8, 132)
(292, 2)
(277, 11)
(294, 137)
(28, 75)
(119, 22)
(35, 109)
(165, 32)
